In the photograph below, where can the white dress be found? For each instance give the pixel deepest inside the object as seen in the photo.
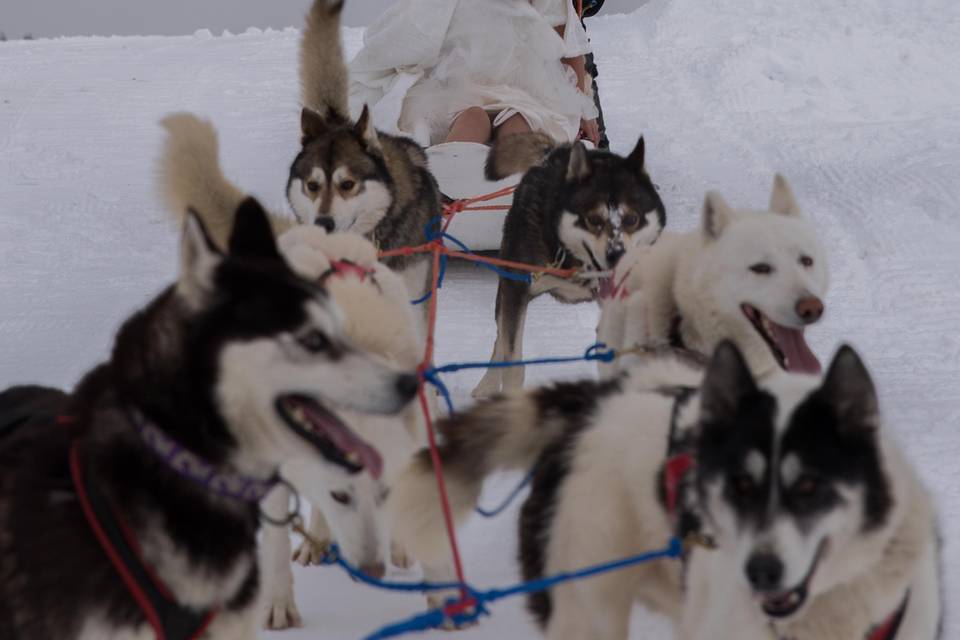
(425, 61)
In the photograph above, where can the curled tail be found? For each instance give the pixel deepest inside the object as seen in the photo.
(191, 178)
(323, 72)
(517, 153)
(507, 432)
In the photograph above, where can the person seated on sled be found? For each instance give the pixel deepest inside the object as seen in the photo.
(471, 70)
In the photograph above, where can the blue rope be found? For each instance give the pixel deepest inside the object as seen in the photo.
(596, 352)
(493, 513)
(333, 557)
(437, 618)
(500, 271)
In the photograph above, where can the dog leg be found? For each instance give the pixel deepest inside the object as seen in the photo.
(309, 553)
(280, 610)
(490, 382)
(511, 309)
(598, 609)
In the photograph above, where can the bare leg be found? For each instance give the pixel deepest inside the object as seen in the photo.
(514, 124)
(472, 125)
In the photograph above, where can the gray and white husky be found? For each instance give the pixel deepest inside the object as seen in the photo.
(574, 209)
(348, 176)
(234, 369)
(823, 530)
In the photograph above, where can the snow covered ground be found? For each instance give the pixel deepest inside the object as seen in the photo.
(858, 103)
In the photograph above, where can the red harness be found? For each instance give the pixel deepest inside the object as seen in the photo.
(169, 619)
(889, 628)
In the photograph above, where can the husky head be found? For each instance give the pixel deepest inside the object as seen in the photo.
(610, 206)
(271, 360)
(354, 504)
(340, 179)
(791, 477)
(766, 273)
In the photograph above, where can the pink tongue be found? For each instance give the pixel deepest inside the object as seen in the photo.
(800, 358)
(345, 440)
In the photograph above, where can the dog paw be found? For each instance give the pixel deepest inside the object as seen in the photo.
(282, 614)
(310, 554)
(399, 558)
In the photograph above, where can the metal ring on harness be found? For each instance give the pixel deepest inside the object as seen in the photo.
(293, 515)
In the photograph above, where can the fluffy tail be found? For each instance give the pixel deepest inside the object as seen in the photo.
(323, 72)
(517, 153)
(191, 178)
(505, 432)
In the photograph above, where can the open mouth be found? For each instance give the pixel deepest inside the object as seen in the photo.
(325, 431)
(786, 603)
(787, 344)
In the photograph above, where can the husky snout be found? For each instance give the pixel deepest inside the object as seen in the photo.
(764, 571)
(810, 309)
(615, 251)
(326, 223)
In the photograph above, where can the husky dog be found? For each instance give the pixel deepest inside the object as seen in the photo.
(822, 529)
(574, 208)
(348, 175)
(348, 508)
(377, 317)
(210, 388)
(755, 277)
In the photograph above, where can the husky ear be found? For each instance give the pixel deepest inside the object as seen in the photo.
(312, 125)
(199, 259)
(782, 200)
(636, 159)
(850, 390)
(578, 167)
(252, 235)
(365, 129)
(717, 214)
(727, 381)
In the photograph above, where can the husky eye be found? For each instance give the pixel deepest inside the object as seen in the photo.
(313, 186)
(761, 268)
(595, 221)
(313, 341)
(347, 185)
(806, 261)
(631, 220)
(341, 497)
(806, 486)
(743, 485)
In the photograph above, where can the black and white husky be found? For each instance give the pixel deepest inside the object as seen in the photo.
(574, 209)
(823, 530)
(161, 455)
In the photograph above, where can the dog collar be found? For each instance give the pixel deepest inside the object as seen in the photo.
(228, 484)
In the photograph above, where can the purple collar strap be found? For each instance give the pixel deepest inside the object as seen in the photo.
(227, 484)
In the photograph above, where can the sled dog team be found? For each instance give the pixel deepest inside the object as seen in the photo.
(283, 359)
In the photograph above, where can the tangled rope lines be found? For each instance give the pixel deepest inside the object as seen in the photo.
(472, 602)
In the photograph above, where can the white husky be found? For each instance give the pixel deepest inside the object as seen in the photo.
(378, 319)
(755, 277)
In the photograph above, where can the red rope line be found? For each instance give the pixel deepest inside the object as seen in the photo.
(437, 248)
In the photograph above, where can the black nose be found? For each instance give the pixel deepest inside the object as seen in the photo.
(325, 222)
(407, 385)
(613, 257)
(764, 571)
